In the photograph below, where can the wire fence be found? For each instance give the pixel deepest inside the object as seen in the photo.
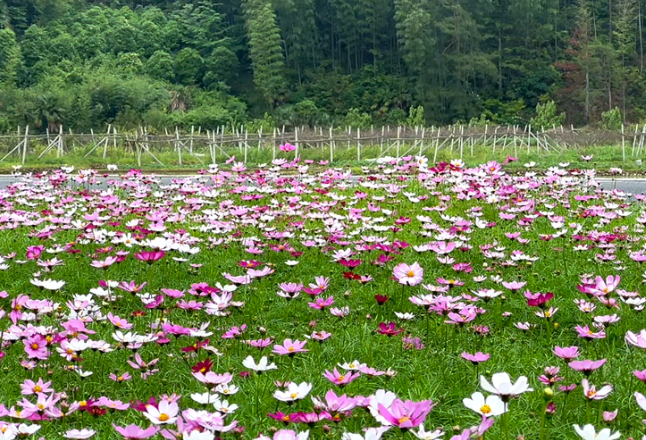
(201, 147)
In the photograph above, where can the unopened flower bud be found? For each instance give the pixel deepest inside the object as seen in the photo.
(548, 393)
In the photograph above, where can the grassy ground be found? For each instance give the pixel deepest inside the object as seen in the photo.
(317, 216)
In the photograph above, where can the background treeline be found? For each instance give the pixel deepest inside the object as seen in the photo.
(166, 63)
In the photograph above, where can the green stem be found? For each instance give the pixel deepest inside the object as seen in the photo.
(542, 431)
(506, 422)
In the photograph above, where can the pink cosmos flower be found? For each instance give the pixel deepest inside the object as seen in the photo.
(287, 147)
(405, 415)
(132, 288)
(514, 285)
(36, 347)
(586, 333)
(121, 378)
(286, 434)
(119, 322)
(641, 375)
(134, 432)
(591, 392)
(30, 387)
(334, 403)
(566, 353)
(340, 379)
(408, 275)
(290, 347)
(586, 366)
(603, 287)
(638, 340)
(321, 303)
(477, 358)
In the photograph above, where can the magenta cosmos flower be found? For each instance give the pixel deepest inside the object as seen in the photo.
(408, 275)
(389, 329)
(405, 415)
(149, 256)
(134, 432)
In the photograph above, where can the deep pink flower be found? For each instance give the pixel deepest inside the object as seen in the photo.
(150, 256)
(389, 329)
(538, 299)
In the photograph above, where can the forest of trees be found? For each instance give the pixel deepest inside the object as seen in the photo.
(166, 63)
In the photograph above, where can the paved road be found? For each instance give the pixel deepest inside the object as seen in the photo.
(632, 186)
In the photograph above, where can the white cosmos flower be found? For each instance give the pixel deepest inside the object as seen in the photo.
(48, 284)
(226, 389)
(492, 406)
(293, 392)
(370, 434)
(224, 407)
(25, 430)
(79, 433)
(352, 366)
(260, 366)
(502, 386)
(588, 433)
(197, 435)
(422, 434)
(204, 398)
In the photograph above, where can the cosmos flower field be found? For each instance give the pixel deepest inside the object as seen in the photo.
(409, 300)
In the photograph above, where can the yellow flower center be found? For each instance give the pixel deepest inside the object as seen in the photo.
(340, 379)
(410, 274)
(486, 409)
(290, 349)
(49, 339)
(82, 403)
(294, 395)
(591, 394)
(120, 378)
(37, 389)
(163, 417)
(404, 420)
(548, 314)
(34, 346)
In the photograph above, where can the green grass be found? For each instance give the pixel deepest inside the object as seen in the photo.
(437, 372)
